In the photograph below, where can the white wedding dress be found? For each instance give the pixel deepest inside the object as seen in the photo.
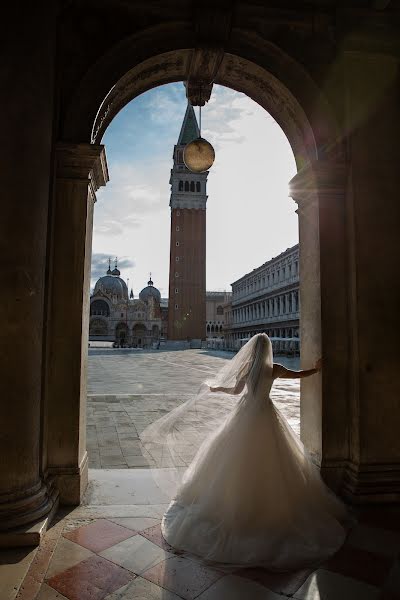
(251, 495)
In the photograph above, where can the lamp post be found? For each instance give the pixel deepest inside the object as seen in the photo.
(126, 315)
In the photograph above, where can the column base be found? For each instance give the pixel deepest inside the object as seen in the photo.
(25, 521)
(30, 534)
(22, 509)
(71, 482)
(372, 484)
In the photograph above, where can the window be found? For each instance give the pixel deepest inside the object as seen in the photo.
(176, 290)
(192, 186)
(176, 243)
(177, 258)
(220, 310)
(181, 186)
(122, 314)
(186, 186)
(178, 213)
(176, 274)
(176, 306)
(198, 186)
(177, 228)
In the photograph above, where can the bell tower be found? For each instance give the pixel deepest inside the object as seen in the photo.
(187, 270)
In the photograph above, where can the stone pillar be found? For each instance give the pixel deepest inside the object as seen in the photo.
(373, 129)
(27, 110)
(80, 170)
(319, 191)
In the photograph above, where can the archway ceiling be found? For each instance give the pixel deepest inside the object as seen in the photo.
(234, 72)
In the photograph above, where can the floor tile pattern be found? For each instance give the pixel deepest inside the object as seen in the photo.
(138, 563)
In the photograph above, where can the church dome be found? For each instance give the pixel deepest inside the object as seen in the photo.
(112, 285)
(148, 291)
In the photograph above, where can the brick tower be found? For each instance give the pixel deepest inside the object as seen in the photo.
(187, 270)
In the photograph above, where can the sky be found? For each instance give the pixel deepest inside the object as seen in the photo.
(250, 217)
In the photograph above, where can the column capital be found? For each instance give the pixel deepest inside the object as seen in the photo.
(86, 163)
(319, 178)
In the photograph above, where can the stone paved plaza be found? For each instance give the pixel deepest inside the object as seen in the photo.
(129, 389)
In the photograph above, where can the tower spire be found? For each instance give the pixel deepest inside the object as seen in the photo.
(190, 129)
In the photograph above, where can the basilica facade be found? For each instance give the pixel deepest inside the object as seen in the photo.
(116, 316)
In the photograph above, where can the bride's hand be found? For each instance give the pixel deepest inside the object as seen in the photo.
(318, 364)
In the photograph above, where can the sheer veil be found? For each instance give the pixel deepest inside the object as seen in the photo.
(171, 442)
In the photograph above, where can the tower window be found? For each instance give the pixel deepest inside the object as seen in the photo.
(176, 243)
(197, 186)
(181, 186)
(176, 290)
(176, 306)
(177, 228)
(192, 186)
(186, 186)
(177, 258)
(178, 213)
(176, 274)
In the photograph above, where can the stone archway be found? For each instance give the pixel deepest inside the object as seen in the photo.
(98, 328)
(122, 334)
(139, 335)
(312, 135)
(278, 83)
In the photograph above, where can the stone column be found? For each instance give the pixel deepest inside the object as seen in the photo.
(373, 129)
(80, 170)
(319, 191)
(27, 110)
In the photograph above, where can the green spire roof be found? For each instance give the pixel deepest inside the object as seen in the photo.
(190, 130)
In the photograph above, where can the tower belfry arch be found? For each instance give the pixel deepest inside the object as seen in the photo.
(187, 270)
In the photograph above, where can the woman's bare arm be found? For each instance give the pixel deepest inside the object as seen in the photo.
(235, 390)
(281, 371)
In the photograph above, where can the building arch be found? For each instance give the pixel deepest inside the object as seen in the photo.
(99, 307)
(98, 328)
(139, 335)
(121, 332)
(251, 65)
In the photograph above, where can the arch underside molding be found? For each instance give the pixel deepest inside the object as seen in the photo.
(249, 65)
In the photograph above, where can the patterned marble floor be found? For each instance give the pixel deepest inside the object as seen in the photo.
(111, 550)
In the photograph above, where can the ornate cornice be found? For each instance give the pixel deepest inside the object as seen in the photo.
(320, 178)
(85, 163)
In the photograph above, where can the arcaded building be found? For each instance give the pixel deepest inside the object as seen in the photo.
(266, 300)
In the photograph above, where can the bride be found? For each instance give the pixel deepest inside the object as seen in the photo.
(251, 496)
